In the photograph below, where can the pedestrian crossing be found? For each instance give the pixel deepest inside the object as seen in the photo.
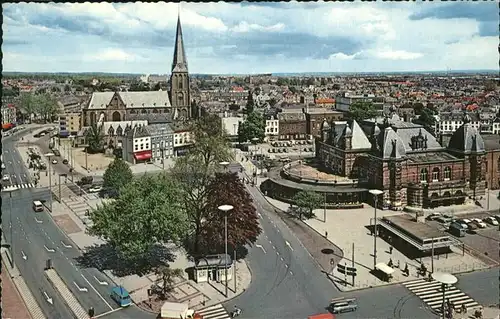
(214, 312)
(431, 294)
(17, 186)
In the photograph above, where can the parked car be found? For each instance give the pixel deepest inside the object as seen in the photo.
(461, 223)
(54, 161)
(442, 220)
(497, 217)
(95, 189)
(479, 223)
(6, 178)
(433, 216)
(491, 220)
(86, 180)
(56, 153)
(467, 221)
(472, 226)
(65, 161)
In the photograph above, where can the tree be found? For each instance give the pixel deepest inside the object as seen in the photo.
(147, 212)
(234, 107)
(28, 103)
(242, 221)
(167, 276)
(95, 139)
(427, 119)
(250, 106)
(254, 126)
(306, 202)
(362, 110)
(195, 170)
(117, 175)
(45, 106)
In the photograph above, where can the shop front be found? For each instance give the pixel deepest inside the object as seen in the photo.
(142, 157)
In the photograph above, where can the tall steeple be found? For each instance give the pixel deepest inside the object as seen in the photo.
(180, 96)
(179, 64)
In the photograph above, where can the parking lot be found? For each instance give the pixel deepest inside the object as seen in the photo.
(484, 239)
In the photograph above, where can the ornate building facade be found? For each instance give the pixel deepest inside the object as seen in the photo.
(405, 161)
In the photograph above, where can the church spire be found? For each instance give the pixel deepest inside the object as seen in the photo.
(179, 63)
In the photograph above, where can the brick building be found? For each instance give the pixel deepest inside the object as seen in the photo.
(292, 126)
(406, 161)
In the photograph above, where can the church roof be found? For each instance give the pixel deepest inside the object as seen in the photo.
(179, 63)
(146, 99)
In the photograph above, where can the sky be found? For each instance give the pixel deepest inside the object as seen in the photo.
(251, 38)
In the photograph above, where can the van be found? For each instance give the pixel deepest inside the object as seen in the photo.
(37, 206)
(457, 229)
(121, 296)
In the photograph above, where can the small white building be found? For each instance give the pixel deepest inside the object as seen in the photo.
(213, 268)
(137, 145)
(272, 128)
(231, 124)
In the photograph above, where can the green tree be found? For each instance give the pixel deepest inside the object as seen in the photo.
(167, 276)
(147, 212)
(195, 170)
(117, 175)
(95, 139)
(250, 106)
(46, 106)
(254, 126)
(362, 110)
(306, 202)
(427, 119)
(242, 220)
(28, 103)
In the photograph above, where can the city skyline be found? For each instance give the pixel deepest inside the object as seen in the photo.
(246, 38)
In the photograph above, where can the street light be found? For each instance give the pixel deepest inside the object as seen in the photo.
(85, 146)
(225, 209)
(445, 279)
(49, 155)
(10, 190)
(66, 176)
(375, 193)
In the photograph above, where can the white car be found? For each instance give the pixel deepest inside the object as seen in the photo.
(3, 166)
(54, 161)
(479, 222)
(95, 189)
(491, 220)
(6, 178)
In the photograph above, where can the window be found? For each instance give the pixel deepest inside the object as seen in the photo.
(435, 174)
(447, 173)
(142, 146)
(136, 148)
(423, 175)
(147, 146)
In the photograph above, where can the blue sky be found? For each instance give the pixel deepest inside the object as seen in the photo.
(251, 37)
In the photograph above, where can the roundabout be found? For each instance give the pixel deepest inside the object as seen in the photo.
(339, 192)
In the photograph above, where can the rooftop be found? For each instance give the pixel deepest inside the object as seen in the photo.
(430, 157)
(417, 229)
(491, 142)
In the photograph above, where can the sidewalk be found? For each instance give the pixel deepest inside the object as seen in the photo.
(70, 217)
(13, 306)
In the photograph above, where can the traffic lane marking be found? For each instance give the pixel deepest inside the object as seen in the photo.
(97, 292)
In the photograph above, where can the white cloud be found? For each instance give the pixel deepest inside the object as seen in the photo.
(244, 27)
(113, 55)
(342, 56)
(398, 55)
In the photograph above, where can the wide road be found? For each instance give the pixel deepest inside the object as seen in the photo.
(35, 238)
(288, 283)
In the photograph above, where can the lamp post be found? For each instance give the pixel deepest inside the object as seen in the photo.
(85, 146)
(10, 190)
(375, 193)
(71, 160)
(225, 209)
(66, 176)
(49, 155)
(445, 279)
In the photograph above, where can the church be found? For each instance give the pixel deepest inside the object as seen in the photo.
(154, 106)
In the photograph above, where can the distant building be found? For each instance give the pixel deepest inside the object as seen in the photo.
(272, 129)
(69, 124)
(344, 102)
(9, 116)
(162, 141)
(292, 126)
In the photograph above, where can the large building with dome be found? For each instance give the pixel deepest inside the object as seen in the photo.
(405, 161)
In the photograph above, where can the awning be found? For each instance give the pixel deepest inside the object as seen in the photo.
(142, 155)
(384, 268)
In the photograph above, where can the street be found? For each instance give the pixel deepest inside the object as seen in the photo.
(35, 238)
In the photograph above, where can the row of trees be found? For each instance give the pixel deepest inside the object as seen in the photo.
(41, 105)
(181, 205)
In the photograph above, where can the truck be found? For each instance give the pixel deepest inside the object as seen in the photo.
(177, 310)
